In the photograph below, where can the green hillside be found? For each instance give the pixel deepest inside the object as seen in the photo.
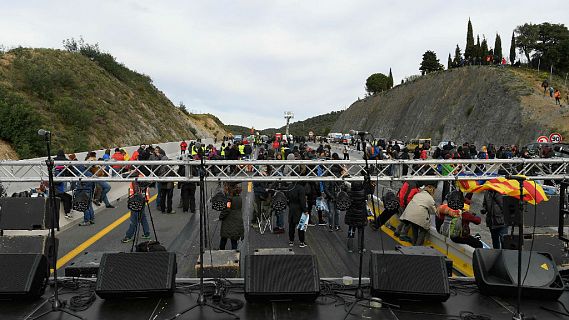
(320, 125)
(87, 100)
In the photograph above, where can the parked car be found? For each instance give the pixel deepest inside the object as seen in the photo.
(534, 149)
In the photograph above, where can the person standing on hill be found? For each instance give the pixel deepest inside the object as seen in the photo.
(545, 85)
(551, 91)
(557, 96)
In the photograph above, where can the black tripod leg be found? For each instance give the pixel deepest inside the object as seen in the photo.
(58, 310)
(151, 221)
(350, 310)
(135, 240)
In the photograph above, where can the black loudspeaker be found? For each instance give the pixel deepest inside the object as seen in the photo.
(136, 274)
(281, 277)
(22, 275)
(29, 244)
(411, 277)
(26, 213)
(496, 273)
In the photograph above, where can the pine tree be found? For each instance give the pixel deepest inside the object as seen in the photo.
(498, 49)
(513, 49)
(390, 79)
(449, 62)
(430, 63)
(484, 50)
(469, 50)
(457, 57)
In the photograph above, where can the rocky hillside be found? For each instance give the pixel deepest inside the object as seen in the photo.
(87, 102)
(479, 104)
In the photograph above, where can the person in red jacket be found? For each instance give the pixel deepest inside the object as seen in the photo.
(117, 156)
(183, 147)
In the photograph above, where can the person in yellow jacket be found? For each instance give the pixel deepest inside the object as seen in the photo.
(140, 189)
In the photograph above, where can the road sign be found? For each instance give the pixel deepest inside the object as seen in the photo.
(542, 139)
(555, 138)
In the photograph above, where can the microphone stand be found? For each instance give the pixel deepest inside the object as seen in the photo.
(518, 315)
(359, 295)
(202, 301)
(56, 304)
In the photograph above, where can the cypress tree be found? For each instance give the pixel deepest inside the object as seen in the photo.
(468, 51)
(457, 57)
(478, 50)
(513, 49)
(449, 62)
(484, 50)
(498, 49)
(390, 79)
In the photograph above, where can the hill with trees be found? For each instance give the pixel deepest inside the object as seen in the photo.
(480, 98)
(88, 101)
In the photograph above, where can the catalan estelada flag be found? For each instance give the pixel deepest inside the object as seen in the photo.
(532, 191)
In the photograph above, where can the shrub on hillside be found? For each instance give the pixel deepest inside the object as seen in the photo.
(42, 78)
(19, 126)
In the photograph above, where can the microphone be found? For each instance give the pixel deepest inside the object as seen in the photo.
(356, 132)
(560, 149)
(43, 132)
(518, 178)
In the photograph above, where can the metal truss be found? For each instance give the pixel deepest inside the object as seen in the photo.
(273, 170)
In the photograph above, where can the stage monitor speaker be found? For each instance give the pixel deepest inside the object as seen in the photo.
(29, 244)
(26, 213)
(408, 277)
(136, 274)
(22, 275)
(281, 278)
(496, 273)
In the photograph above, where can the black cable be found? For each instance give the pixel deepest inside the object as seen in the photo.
(86, 296)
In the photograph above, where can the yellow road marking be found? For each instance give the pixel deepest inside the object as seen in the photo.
(249, 186)
(75, 252)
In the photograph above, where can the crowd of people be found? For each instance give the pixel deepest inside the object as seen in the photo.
(321, 202)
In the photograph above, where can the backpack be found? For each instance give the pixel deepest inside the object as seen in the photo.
(406, 193)
(150, 246)
(452, 226)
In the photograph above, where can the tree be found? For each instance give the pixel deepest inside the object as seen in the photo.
(477, 50)
(469, 50)
(551, 46)
(390, 79)
(526, 38)
(457, 62)
(498, 49)
(449, 62)
(484, 50)
(430, 63)
(513, 49)
(376, 83)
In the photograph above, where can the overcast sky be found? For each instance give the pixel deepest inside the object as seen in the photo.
(248, 61)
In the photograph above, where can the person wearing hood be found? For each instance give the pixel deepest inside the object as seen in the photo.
(85, 190)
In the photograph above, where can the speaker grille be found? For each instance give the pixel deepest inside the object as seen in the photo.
(409, 276)
(282, 276)
(136, 273)
(22, 274)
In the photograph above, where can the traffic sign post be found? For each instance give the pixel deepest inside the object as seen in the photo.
(555, 138)
(542, 139)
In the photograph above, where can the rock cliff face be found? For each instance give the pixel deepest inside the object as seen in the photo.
(478, 104)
